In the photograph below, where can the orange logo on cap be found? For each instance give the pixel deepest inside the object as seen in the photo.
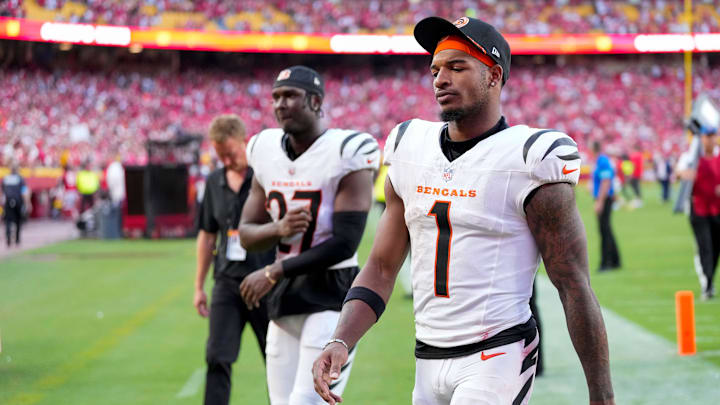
(285, 74)
(461, 22)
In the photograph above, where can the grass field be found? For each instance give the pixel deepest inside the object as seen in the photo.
(92, 322)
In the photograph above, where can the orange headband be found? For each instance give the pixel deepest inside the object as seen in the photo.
(461, 44)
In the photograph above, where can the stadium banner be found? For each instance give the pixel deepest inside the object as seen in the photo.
(37, 178)
(137, 38)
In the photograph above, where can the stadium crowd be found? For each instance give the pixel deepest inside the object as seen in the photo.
(363, 16)
(48, 117)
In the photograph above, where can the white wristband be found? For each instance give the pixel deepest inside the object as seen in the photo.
(342, 342)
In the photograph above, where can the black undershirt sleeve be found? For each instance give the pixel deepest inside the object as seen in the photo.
(348, 227)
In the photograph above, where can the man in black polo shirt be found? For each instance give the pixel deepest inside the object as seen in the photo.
(219, 214)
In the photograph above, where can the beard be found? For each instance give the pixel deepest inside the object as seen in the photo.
(458, 114)
(453, 115)
(480, 94)
(291, 127)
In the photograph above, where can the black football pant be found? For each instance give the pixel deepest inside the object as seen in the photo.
(13, 215)
(665, 187)
(635, 184)
(609, 256)
(228, 316)
(86, 202)
(707, 236)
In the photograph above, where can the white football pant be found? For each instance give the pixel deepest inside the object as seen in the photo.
(293, 344)
(500, 376)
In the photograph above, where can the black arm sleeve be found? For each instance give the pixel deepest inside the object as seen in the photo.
(348, 227)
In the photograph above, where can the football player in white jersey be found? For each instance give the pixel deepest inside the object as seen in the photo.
(479, 204)
(310, 196)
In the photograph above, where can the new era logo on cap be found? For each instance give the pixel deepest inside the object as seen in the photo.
(316, 81)
(495, 52)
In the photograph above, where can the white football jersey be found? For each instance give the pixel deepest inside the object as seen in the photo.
(473, 256)
(311, 180)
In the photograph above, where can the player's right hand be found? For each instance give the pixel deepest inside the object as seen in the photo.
(326, 369)
(200, 302)
(295, 221)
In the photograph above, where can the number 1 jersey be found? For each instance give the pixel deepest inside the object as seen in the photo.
(473, 256)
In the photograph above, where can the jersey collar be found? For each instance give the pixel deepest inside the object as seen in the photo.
(453, 150)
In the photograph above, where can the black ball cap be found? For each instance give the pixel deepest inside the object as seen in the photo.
(301, 77)
(429, 31)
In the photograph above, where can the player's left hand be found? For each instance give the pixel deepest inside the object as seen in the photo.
(255, 286)
(326, 369)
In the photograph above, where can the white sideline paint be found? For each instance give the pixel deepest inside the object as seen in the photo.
(646, 368)
(193, 384)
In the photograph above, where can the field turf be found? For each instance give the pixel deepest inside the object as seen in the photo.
(93, 322)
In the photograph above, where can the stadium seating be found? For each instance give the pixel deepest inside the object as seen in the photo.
(63, 115)
(365, 16)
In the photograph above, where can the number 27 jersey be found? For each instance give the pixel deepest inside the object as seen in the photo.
(311, 180)
(473, 256)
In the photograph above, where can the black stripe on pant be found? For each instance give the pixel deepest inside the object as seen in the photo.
(536, 314)
(707, 237)
(529, 361)
(343, 374)
(228, 316)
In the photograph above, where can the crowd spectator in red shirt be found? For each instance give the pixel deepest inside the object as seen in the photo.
(637, 159)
